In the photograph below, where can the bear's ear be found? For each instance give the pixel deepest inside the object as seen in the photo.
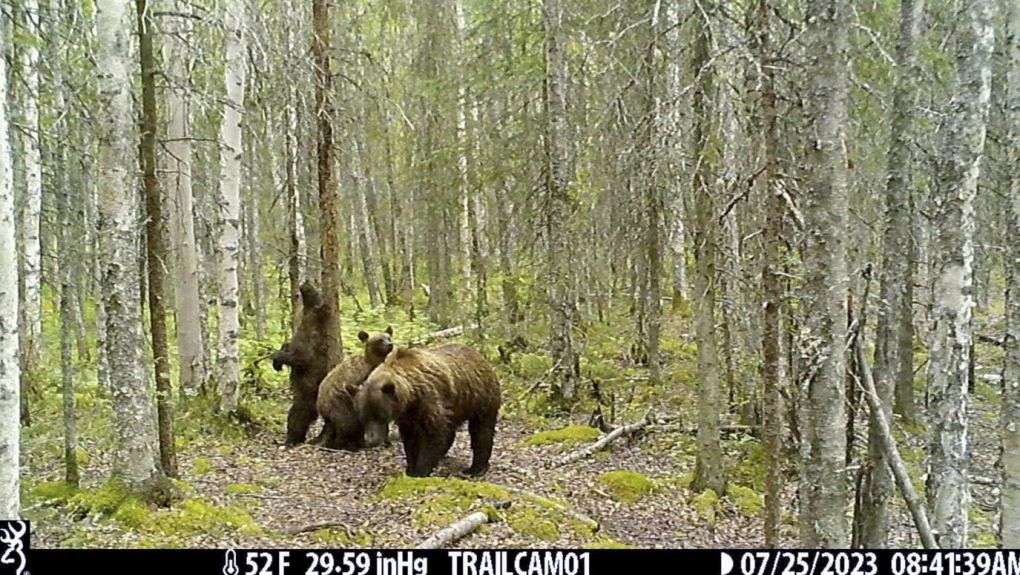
(388, 388)
(363, 336)
(389, 329)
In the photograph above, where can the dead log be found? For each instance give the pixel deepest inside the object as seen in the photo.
(693, 429)
(458, 529)
(601, 444)
(316, 527)
(892, 453)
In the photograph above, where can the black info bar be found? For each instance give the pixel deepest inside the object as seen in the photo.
(510, 562)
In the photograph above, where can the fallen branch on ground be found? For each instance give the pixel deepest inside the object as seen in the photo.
(316, 527)
(892, 453)
(441, 334)
(588, 521)
(989, 339)
(601, 444)
(458, 529)
(693, 429)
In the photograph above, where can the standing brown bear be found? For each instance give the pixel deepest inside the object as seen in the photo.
(342, 428)
(429, 393)
(307, 354)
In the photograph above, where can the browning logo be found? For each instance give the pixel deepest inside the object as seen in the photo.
(14, 536)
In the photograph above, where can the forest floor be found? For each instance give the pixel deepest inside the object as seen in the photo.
(247, 490)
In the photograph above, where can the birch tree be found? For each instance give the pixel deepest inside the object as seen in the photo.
(32, 210)
(135, 461)
(10, 371)
(894, 360)
(1009, 518)
(228, 244)
(191, 352)
(947, 487)
(823, 486)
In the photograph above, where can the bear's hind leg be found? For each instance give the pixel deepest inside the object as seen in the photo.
(300, 417)
(482, 431)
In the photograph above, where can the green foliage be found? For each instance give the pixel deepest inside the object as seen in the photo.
(201, 466)
(627, 486)
(570, 435)
(752, 467)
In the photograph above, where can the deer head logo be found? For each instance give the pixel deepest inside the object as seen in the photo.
(15, 546)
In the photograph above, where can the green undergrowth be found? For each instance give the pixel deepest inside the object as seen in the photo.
(110, 503)
(747, 501)
(567, 436)
(441, 501)
(707, 505)
(628, 486)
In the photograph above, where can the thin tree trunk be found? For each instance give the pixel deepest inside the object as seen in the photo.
(894, 374)
(66, 259)
(1009, 518)
(565, 357)
(31, 330)
(823, 484)
(708, 471)
(228, 244)
(10, 378)
(190, 338)
(364, 226)
(948, 488)
(135, 461)
(298, 256)
(155, 240)
(328, 199)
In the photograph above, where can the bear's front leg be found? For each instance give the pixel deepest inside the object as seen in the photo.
(430, 452)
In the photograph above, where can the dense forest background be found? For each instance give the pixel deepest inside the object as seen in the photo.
(747, 270)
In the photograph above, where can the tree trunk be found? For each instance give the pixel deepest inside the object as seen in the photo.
(708, 471)
(155, 241)
(31, 310)
(10, 379)
(190, 341)
(947, 487)
(328, 201)
(565, 357)
(228, 244)
(298, 255)
(772, 286)
(823, 483)
(1009, 526)
(894, 339)
(364, 225)
(135, 461)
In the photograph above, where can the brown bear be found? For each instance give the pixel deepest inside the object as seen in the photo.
(341, 427)
(429, 393)
(307, 355)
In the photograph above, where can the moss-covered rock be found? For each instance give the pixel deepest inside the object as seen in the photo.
(627, 486)
(747, 500)
(570, 435)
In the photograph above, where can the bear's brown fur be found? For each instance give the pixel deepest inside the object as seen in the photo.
(342, 429)
(429, 393)
(307, 354)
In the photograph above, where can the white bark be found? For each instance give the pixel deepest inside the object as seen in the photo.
(32, 248)
(948, 488)
(228, 245)
(455, 531)
(1009, 527)
(670, 129)
(190, 343)
(10, 370)
(135, 460)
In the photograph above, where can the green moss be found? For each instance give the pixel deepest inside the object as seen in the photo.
(747, 500)
(274, 481)
(54, 491)
(201, 466)
(707, 505)
(627, 486)
(608, 544)
(196, 516)
(132, 513)
(570, 435)
(529, 521)
(443, 500)
(224, 449)
(236, 488)
(334, 536)
(104, 501)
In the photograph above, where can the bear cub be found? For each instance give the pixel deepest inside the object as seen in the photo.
(342, 428)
